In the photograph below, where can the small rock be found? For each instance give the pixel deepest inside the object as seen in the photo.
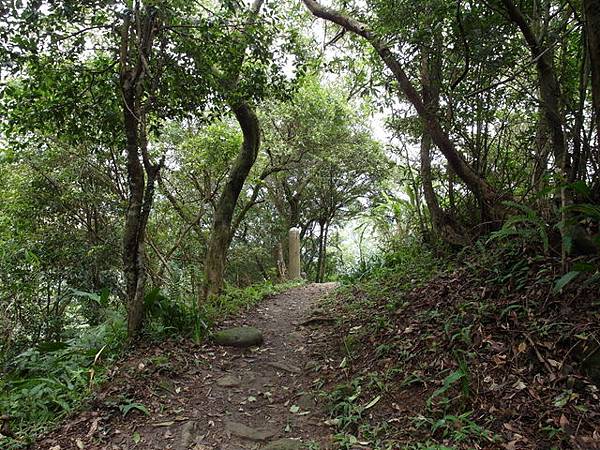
(306, 402)
(239, 337)
(284, 444)
(244, 431)
(228, 381)
(285, 366)
(187, 435)
(311, 365)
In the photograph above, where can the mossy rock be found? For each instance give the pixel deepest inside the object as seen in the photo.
(239, 337)
(284, 444)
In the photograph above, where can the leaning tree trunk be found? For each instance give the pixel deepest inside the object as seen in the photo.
(221, 228)
(440, 138)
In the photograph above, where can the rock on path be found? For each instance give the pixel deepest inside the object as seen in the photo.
(239, 337)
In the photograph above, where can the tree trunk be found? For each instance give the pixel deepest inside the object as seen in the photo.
(550, 98)
(221, 229)
(323, 255)
(542, 150)
(141, 174)
(592, 27)
(280, 259)
(443, 224)
(430, 120)
(133, 248)
(141, 195)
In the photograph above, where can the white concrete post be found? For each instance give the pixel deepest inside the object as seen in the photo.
(294, 250)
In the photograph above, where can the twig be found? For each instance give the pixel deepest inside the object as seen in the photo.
(538, 354)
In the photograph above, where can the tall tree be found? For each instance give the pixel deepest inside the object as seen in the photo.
(592, 32)
(221, 233)
(138, 33)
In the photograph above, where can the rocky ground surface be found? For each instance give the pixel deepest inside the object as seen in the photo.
(183, 396)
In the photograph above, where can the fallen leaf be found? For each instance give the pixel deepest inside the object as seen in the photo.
(93, 427)
(164, 424)
(136, 438)
(519, 385)
(373, 402)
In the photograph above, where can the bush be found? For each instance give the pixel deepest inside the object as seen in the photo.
(412, 260)
(45, 383)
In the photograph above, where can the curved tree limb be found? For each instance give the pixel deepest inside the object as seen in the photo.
(463, 170)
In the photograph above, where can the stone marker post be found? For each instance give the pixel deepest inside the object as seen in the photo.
(294, 250)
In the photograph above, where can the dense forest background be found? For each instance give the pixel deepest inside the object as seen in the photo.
(155, 154)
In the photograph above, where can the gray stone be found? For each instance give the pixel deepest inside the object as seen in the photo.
(285, 366)
(239, 337)
(284, 444)
(188, 431)
(228, 381)
(311, 365)
(306, 402)
(245, 432)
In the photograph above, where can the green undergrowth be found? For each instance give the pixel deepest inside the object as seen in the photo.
(44, 384)
(384, 280)
(388, 276)
(167, 317)
(441, 332)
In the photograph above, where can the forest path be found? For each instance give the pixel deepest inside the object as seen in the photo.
(219, 398)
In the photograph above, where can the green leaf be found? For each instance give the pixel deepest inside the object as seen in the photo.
(125, 409)
(48, 347)
(448, 382)
(136, 438)
(564, 280)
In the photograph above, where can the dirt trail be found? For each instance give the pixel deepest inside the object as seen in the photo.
(210, 397)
